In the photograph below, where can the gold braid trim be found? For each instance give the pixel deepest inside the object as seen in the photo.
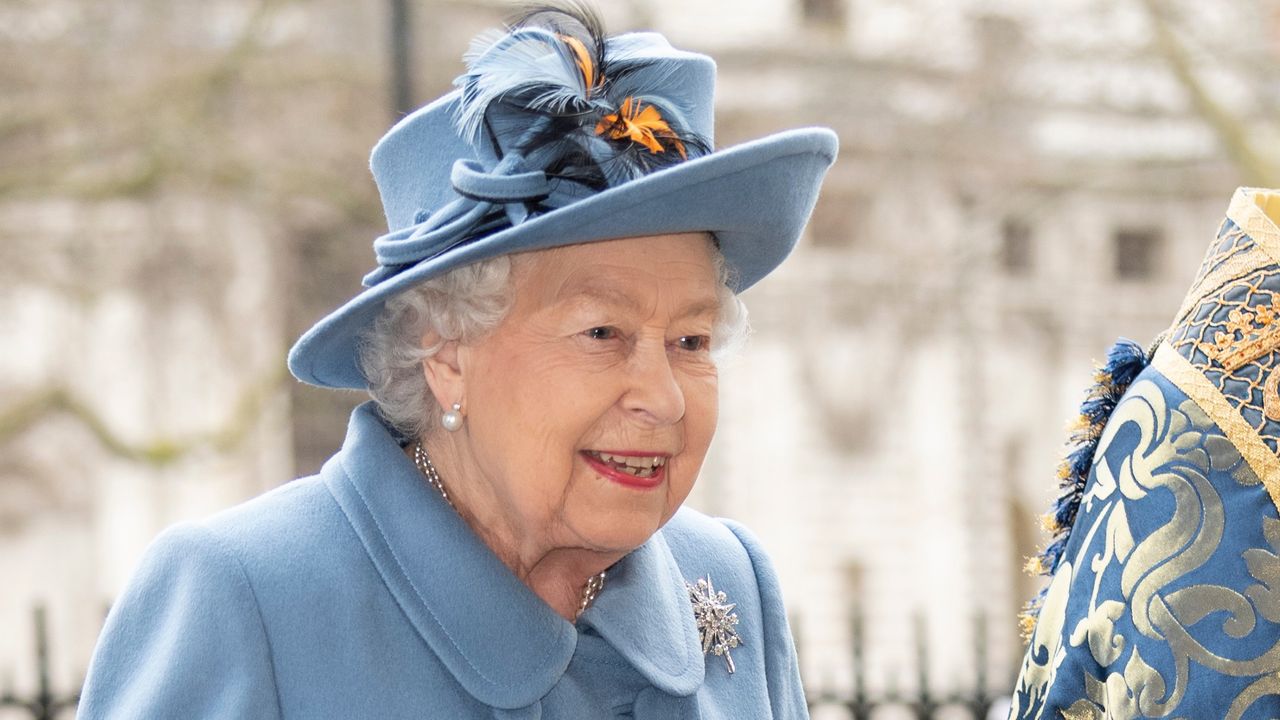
(1252, 209)
(1237, 266)
(1191, 381)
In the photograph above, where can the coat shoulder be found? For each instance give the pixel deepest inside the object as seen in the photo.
(281, 511)
(186, 637)
(722, 548)
(291, 541)
(693, 534)
(278, 529)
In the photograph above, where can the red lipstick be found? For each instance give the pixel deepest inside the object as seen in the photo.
(611, 472)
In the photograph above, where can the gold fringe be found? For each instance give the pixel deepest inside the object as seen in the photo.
(1049, 523)
(1026, 626)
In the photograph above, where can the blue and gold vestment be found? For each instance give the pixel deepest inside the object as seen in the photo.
(1165, 601)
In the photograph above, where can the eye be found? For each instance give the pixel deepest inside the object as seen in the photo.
(694, 343)
(602, 333)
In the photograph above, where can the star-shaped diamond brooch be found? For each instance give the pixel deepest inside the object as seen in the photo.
(715, 619)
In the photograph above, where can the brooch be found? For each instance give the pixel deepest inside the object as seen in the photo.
(715, 619)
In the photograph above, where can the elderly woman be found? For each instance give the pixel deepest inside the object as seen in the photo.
(501, 534)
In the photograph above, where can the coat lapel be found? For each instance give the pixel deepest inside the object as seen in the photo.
(644, 613)
(504, 645)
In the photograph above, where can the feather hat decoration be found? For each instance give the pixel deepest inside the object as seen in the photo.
(547, 90)
(558, 134)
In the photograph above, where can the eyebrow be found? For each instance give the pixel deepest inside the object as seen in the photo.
(612, 296)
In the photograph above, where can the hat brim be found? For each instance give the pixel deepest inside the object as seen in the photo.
(755, 198)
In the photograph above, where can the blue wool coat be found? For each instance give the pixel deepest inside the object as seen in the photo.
(359, 593)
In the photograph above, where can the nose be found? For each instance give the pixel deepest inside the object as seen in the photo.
(653, 395)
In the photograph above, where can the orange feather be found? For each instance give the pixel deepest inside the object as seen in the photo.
(583, 59)
(642, 124)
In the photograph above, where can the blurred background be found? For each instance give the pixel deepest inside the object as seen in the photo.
(184, 189)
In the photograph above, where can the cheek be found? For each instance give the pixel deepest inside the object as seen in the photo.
(539, 406)
(558, 395)
(702, 408)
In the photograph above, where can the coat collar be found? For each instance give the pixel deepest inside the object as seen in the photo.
(502, 643)
(644, 614)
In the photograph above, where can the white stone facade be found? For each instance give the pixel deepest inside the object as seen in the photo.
(142, 387)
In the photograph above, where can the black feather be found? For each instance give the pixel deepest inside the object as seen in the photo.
(574, 18)
(525, 91)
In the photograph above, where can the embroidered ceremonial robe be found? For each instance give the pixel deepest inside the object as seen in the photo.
(359, 593)
(1166, 602)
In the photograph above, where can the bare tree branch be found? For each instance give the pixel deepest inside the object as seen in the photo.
(1230, 129)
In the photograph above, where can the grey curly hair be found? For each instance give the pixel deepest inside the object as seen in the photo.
(464, 304)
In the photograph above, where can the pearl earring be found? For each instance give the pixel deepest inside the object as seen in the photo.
(452, 419)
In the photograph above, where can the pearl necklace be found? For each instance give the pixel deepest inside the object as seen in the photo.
(589, 591)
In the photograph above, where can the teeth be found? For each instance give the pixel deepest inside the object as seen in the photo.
(641, 466)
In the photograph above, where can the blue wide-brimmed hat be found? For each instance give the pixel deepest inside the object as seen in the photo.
(557, 135)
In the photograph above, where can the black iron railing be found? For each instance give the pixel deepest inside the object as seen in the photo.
(924, 703)
(859, 703)
(44, 704)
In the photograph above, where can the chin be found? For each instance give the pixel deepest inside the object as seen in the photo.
(621, 532)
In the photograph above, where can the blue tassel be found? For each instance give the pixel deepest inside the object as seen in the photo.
(1125, 360)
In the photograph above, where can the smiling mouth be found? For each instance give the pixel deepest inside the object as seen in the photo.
(638, 466)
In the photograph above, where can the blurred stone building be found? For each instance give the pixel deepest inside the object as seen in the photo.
(1017, 188)
(183, 189)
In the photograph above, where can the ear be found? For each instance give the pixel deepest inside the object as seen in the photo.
(444, 374)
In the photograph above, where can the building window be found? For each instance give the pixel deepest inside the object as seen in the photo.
(1015, 246)
(1137, 252)
(823, 13)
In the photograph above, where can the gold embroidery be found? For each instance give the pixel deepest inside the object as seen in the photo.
(1230, 255)
(1082, 710)
(1189, 380)
(1241, 263)
(1242, 387)
(1046, 641)
(1251, 209)
(1223, 353)
(1175, 452)
(1271, 396)
(1259, 335)
(1265, 565)
(1253, 243)
(1263, 686)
